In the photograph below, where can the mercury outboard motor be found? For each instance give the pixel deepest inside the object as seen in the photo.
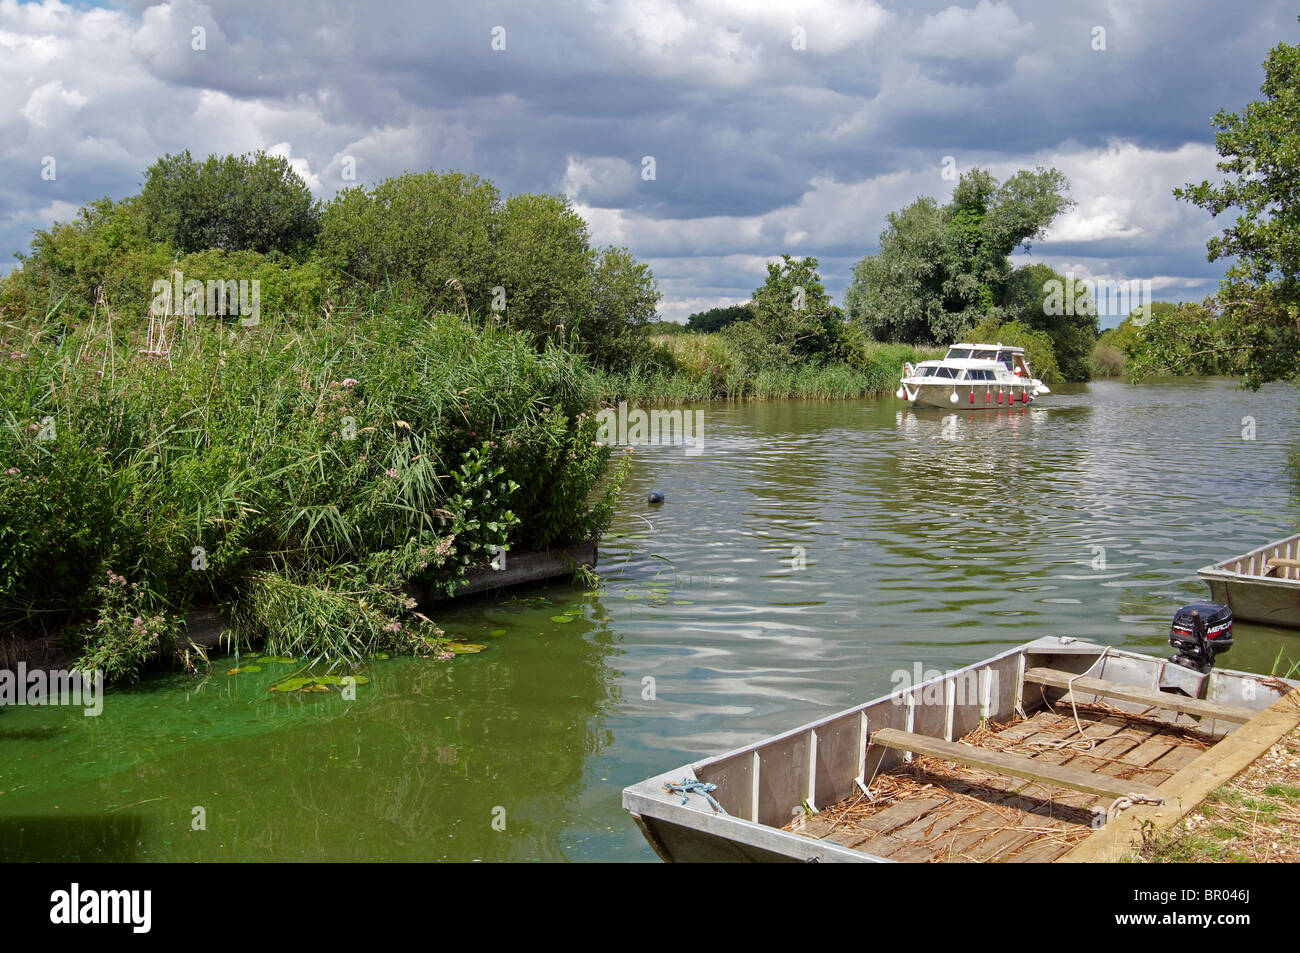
(1200, 631)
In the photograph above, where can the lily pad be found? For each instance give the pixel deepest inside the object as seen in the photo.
(561, 618)
(496, 632)
(244, 668)
(314, 683)
(683, 602)
(278, 660)
(464, 648)
(633, 595)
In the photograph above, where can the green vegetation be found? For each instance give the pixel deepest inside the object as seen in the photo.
(1171, 339)
(300, 477)
(717, 319)
(944, 274)
(794, 343)
(230, 203)
(1253, 325)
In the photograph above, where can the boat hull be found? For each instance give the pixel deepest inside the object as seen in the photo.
(761, 786)
(1241, 584)
(940, 396)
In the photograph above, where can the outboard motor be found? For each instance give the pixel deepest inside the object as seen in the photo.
(1200, 631)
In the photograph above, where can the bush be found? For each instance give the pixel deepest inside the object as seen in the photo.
(272, 468)
(1107, 361)
(1037, 345)
(232, 203)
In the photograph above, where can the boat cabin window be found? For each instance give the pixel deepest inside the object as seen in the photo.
(944, 372)
(1007, 358)
(986, 355)
(957, 354)
(979, 374)
(925, 372)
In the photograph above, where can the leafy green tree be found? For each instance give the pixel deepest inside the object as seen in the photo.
(1037, 344)
(1034, 296)
(103, 256)
(941, 269)
(1257, 311)
(418, 233)
(793, 320)
(897, 295)
(613, 325)
(543, 262)
(718, 319)
(1181, 339)
(233, 203)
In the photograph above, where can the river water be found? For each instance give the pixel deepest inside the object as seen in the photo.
(809, 553)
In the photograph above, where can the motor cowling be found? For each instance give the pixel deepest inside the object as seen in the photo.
(1200, 631)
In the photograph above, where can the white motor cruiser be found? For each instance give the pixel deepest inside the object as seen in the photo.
(981, 375)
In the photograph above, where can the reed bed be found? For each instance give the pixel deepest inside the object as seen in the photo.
(299, 474)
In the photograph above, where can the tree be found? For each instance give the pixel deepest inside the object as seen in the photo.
(233, 203)
(941, 269)
(624, 296)
(543, 263)
(1258, 305)
(1181, 339)
(417, 232)
(1033, 296)
(718, 319)
(793, 320)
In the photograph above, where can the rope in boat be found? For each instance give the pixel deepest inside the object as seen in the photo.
(690, 786)
(1120, 803)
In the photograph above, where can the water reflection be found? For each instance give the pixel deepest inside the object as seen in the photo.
(807, 553)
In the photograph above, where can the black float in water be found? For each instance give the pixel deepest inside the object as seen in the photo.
(655, 497)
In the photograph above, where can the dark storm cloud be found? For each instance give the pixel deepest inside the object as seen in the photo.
(759, 147)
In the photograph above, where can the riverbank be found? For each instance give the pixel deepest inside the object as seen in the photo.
(696, 367)
(296, 477)
(1254, 818)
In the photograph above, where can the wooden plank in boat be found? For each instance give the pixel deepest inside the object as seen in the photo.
(929, 826)
(904, 852)
(1001, 845)
(1191, 785)
(1084, 685)
(896, 815)
(1015, 765)
(973, 830)
(1044, 851)
(1177, 759)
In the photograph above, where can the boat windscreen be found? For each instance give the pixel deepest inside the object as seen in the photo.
(957, 354)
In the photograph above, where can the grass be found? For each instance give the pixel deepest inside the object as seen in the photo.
(696, 367)
(1253, 818)
(298, 474)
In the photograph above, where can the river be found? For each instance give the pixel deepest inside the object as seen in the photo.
(806, 556)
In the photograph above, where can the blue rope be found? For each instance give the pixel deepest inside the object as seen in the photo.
(690, 786)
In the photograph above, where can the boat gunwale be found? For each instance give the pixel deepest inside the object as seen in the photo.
(648, 797)
(1221, 571)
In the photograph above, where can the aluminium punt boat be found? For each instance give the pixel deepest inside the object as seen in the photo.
(983, 375)
(1262, 585)
(1013, 758)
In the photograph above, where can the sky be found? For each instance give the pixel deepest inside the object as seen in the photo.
(706, 136)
